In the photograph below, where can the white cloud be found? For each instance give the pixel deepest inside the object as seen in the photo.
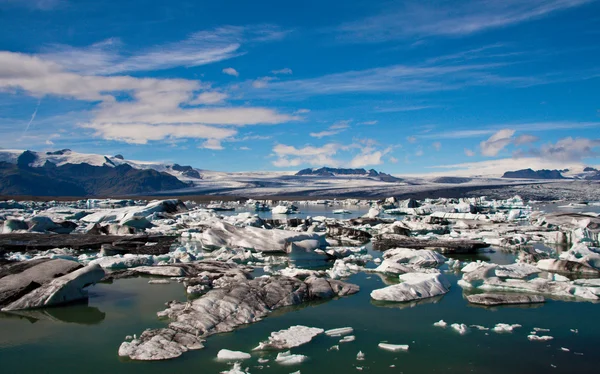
(436, 145)
(141, 133)
(495, 168)
(244, 148)
(565, 150)
(285, 71)
(393, 160)
(369, 158)
(288, 155)
(156, 109)
(302, 111)
(496, 142)
(231, 71)
(525, 139)
(411, 139)
(469, 153)
(339, 125)
(325, 133)
(368, 123)
(214, 144)
(209, 98)
(419, 152)
(262, 82)
(408, 19)
(336, 128)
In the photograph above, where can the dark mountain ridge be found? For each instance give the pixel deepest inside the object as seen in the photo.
(333, 172)
(534, 174)
(80, 179)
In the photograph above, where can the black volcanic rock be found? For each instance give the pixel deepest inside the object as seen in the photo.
(534, 174)
(187, 171)
(331, 172)
(25, 159)
(59, 153)
(80, 179)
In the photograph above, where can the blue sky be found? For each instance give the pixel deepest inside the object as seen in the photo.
(406, 87)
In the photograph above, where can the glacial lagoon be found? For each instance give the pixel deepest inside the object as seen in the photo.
(85, 338)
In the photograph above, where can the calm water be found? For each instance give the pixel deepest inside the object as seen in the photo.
(310, 210)
(86, 338)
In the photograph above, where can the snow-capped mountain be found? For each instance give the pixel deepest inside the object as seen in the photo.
(66, 156)
(68, 173)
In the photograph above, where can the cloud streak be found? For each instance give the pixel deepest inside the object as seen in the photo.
(113, 56)
(414, 18)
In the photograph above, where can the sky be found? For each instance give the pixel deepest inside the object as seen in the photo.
(405, 87)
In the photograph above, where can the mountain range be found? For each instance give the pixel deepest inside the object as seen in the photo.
(68, 173)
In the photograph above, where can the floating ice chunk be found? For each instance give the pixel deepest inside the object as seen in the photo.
(441, 323)
(287, 358)
(373, 213)
(480, 328)
(280, 209)
(575, 331)
(236, 369)
(539, 329)
(159, 281)
(348, 339)
(263, 360)
(565, 349)
(504, 327)
(461, 328)
(540, 338)
(504, 299)
(227, 355)
(393, 347)
(296, 372)
(340, 331)
(414, 286)
(360, 356)
(334, 348)
(290, 338)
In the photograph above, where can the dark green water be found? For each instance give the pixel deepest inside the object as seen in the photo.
(86, 338)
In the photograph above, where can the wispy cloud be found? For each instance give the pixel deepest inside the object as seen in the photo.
(496, 142)
(404, 108)
(113, 56)
(415, 79)
(334, 129)
(403, 20)
(322, 134)
(485, 130)
(285, 71)
(33, 4)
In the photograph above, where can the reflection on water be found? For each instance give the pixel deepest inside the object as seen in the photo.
(406, 304)
(81, 314)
